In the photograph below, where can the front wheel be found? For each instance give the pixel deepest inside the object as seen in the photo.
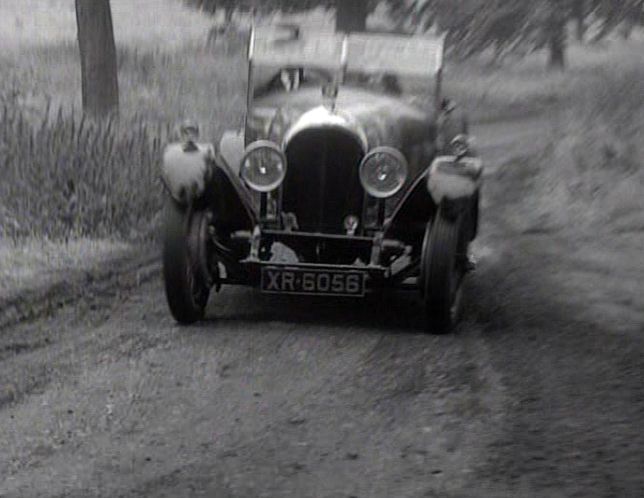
(186, 288)
(442, 273)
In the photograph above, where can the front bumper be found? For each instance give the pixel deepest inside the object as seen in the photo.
(386, 264)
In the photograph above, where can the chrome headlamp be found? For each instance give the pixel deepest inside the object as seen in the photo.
(263, 166)
(383, 172)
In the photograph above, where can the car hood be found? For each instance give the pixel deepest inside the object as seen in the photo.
(375, 119)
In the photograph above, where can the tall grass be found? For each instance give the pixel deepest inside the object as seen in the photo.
(71, 176)
(592, 175)
(65, 175)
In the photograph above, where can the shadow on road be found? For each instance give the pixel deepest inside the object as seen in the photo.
(394, 312)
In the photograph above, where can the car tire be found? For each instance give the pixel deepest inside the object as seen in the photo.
(442, 273)
(185, 288)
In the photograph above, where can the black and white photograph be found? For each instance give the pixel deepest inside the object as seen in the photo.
(322, 248)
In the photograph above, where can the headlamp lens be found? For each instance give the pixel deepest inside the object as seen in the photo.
(263, 166)
(383, 172)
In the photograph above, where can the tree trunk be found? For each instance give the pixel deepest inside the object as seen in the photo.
(97, 57)
(579, 14)
(626, 29)
(351, 15)
(557, 54)
(556, 31)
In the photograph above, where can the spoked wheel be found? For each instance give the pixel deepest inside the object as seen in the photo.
(186, 282)
(442, 272)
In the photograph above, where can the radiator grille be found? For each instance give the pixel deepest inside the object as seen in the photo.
(322, 185)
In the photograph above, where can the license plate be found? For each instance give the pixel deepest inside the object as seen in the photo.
(316, 282)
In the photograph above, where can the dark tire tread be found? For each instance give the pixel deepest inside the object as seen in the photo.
(178, 269)
(439, 258)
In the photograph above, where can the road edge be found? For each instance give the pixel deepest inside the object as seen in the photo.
(128, 269)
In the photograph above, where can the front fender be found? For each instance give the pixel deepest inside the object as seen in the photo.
(449, 183)
(451, 179)
(198, 173)
(186, 170)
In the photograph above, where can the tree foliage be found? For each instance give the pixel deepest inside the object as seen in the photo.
(473, 26)
(503, 25)
(350, 14)
(613, 14)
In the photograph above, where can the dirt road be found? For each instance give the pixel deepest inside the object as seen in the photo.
(539, 393)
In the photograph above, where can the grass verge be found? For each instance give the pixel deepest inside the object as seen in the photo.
(38, 278)
(35, 259)
(591, 176)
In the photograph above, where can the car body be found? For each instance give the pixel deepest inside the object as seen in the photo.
(353, 174)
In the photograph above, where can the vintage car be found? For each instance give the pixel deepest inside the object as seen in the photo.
(353, 175)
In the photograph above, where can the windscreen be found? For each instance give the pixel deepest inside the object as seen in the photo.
(406, 56)
(394, 64)
(286, 59)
